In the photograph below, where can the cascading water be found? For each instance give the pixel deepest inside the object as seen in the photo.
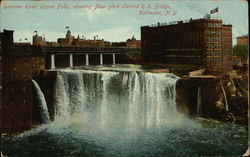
(199, 102)
(123, 111)
(42, 103)
(126, 100)
(225, 96)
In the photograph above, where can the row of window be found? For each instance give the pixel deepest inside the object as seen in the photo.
(215, 25)
(214, 60)
(214, 39)
(214, 46)
(214, 53)
(213, 32)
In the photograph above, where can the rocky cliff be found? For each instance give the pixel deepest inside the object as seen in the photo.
(221, 98)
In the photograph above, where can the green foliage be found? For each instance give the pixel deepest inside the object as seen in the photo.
(241, 50)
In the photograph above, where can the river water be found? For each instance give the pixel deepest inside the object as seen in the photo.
(123, 111)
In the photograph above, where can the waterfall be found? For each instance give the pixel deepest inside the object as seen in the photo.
(42, 103)
(62, 110)
(199, 102)
(225, 96)
(128, 101)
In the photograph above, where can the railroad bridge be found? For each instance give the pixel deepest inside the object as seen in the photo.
(79, 56)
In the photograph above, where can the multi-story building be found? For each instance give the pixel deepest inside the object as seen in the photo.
(203, 43)
(70, 40)
(19, 64)
(67, 40)
(242, 43)
(242, 40)
(227, 47)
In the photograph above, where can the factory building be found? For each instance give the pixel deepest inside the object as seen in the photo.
(202, 43)
(18, 65)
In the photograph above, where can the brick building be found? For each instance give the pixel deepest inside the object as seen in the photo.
(19, 64)
(70, 40)
(203, 43)
(242, 40)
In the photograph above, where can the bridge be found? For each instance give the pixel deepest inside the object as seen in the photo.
(86, 55)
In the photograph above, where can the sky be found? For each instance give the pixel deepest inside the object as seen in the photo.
(116, 24)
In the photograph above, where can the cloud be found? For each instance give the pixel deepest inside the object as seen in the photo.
(89, 14)
(93, 14)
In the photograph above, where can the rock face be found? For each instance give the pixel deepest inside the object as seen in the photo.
(222, 98)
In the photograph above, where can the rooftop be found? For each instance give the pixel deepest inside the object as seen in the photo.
(243, 36)
(185, 21)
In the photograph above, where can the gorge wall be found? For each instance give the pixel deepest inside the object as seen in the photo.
(230, 105)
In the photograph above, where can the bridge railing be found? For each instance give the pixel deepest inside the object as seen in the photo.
(71, 49)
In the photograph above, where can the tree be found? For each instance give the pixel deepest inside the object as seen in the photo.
(242, 51)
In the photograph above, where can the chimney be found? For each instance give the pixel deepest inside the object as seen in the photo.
(7, 37)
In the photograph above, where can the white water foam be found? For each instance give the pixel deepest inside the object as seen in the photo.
(42, 103)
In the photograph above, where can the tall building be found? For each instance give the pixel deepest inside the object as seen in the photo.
(19, 64)
(227, 48)
(204, 43)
